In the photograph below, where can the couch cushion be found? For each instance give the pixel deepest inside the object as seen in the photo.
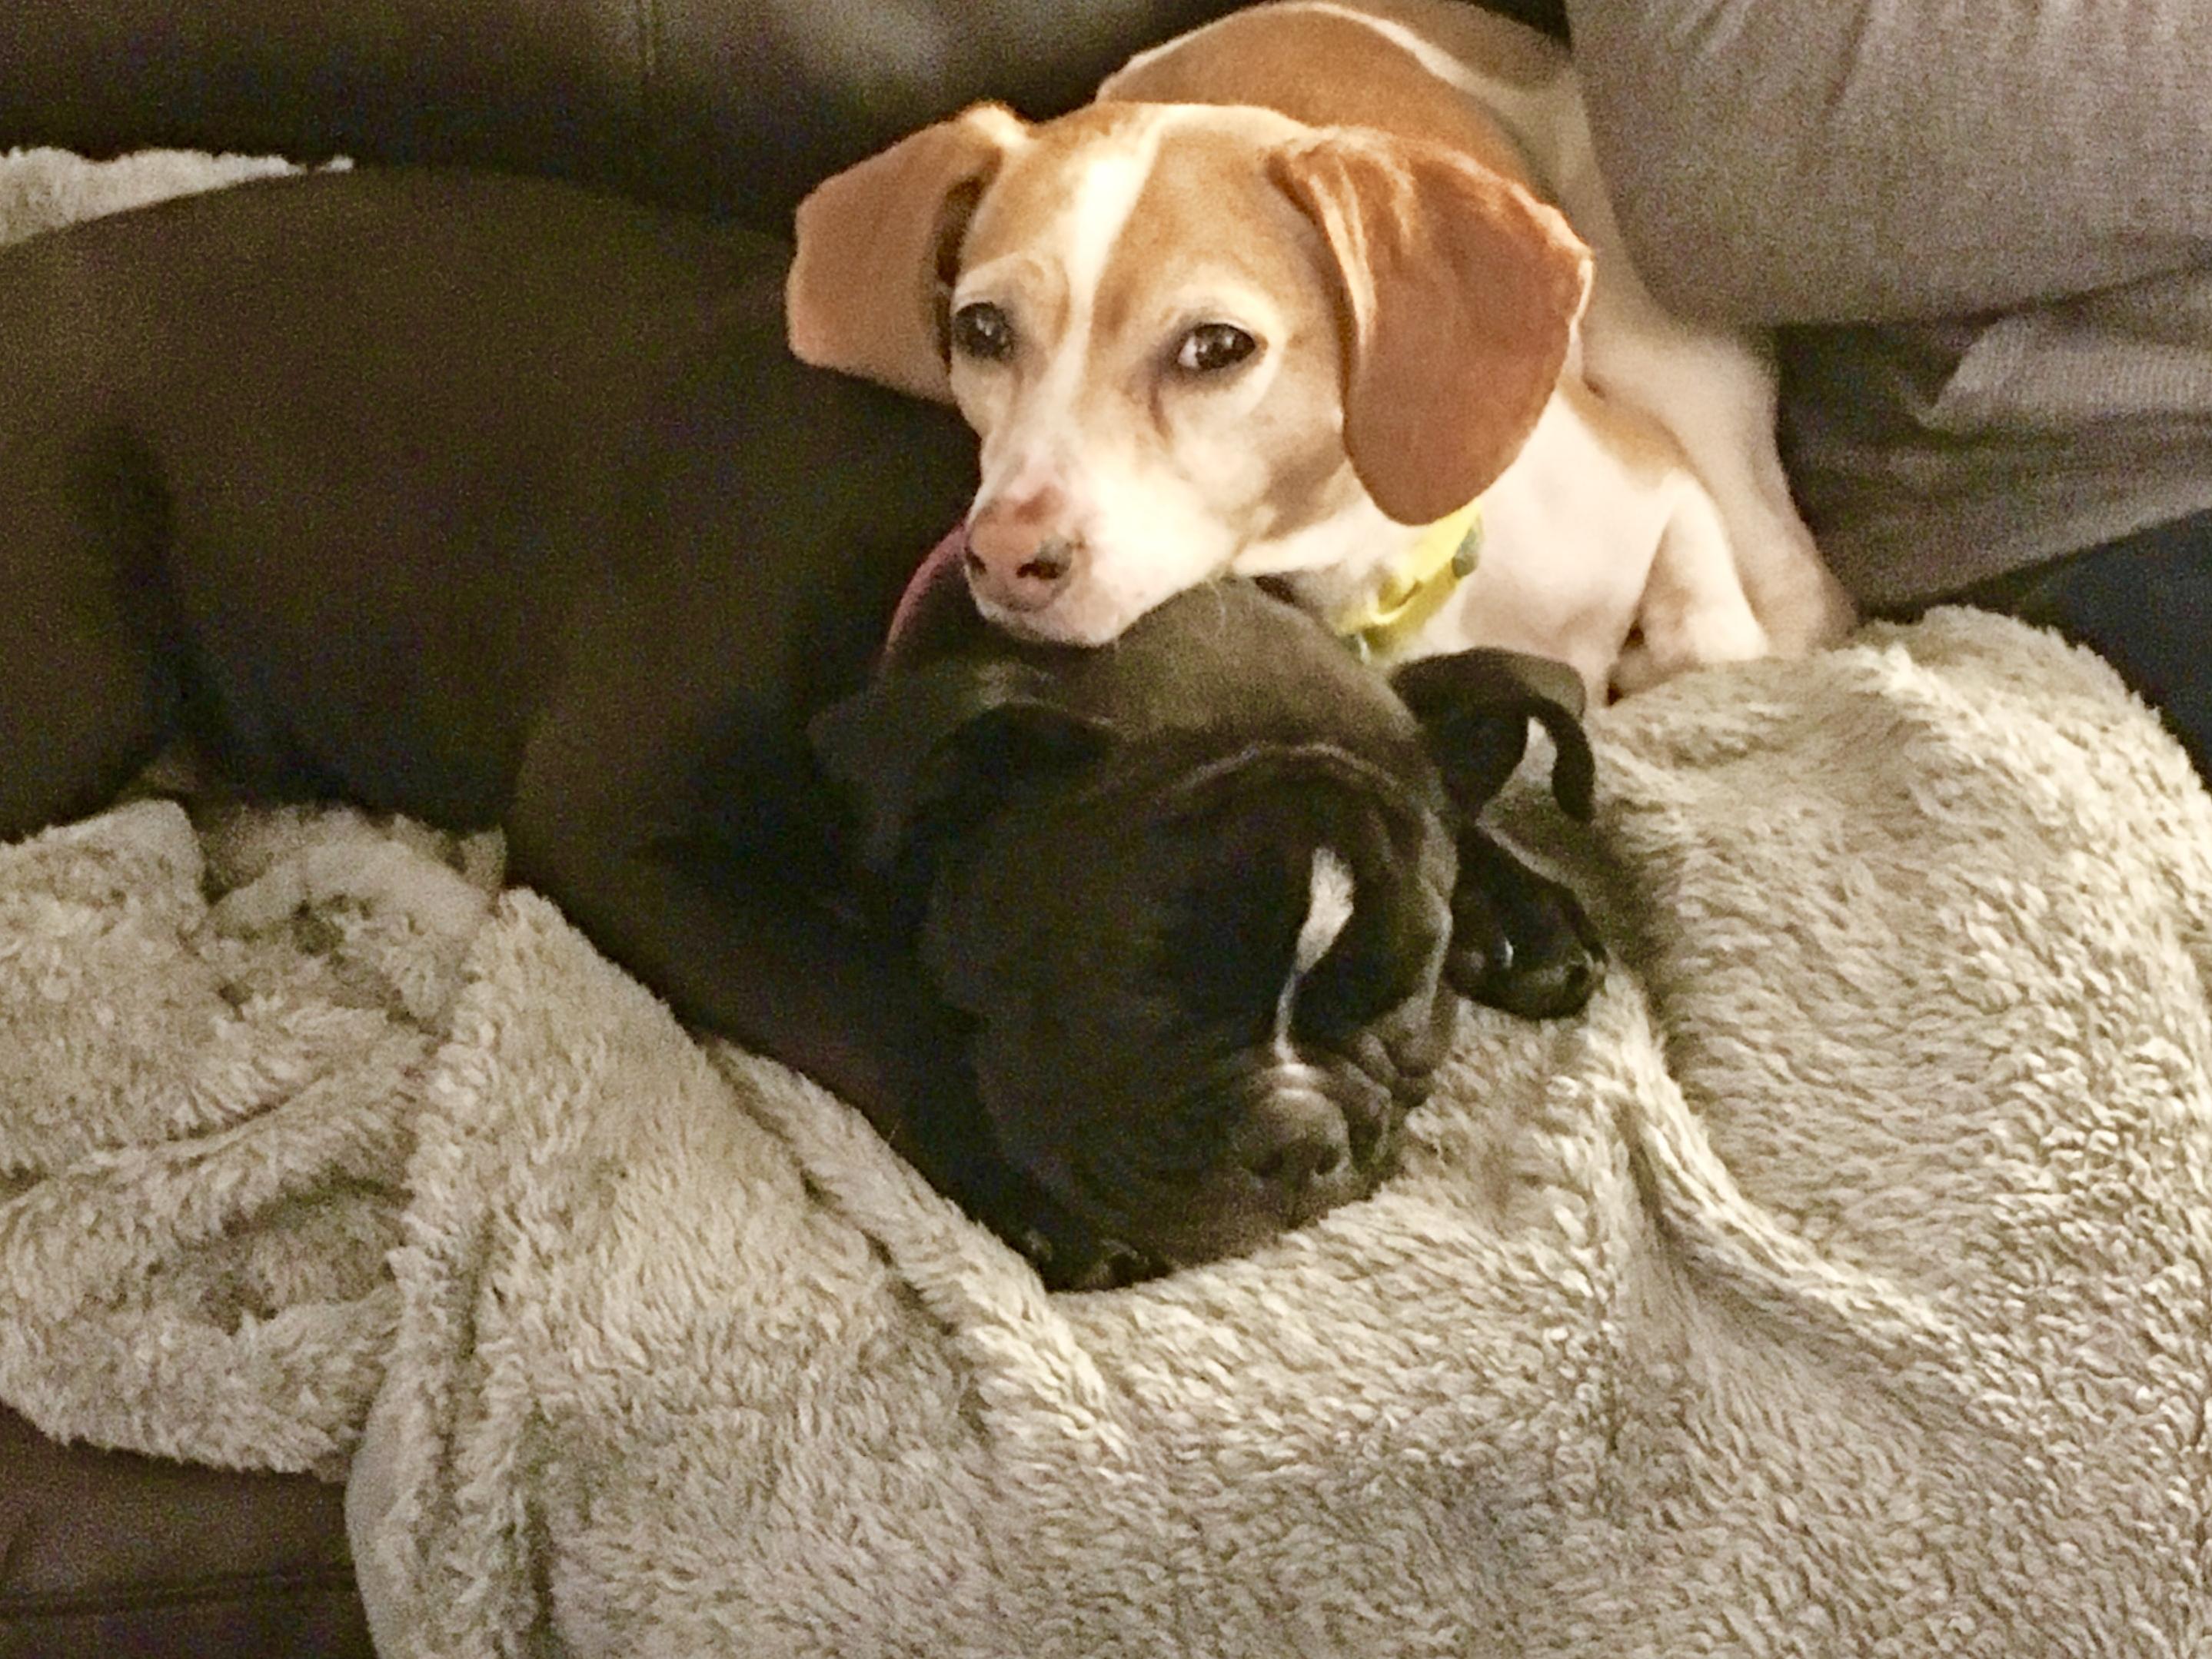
(740, 108)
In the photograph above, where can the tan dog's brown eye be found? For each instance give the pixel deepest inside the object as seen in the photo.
(1212, 347)
(982, 330)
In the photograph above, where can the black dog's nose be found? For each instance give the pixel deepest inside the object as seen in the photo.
(1292, 1138)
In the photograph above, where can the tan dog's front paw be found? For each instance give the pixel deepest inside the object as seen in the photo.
(1659, 650)
(1808, 612)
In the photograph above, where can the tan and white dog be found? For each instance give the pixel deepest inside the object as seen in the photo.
(1330, 293)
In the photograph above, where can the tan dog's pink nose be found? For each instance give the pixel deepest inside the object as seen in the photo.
(1018, 556)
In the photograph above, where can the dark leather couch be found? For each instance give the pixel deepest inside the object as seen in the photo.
(735, 106)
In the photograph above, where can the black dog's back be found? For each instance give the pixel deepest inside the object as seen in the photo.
(348, 468)
(490, 500)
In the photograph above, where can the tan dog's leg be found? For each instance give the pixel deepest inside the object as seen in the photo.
(1694, 610)
(1714, 392)
(1716, 395)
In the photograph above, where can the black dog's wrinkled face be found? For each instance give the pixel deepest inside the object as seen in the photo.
(1206, 990)
(1204, 899)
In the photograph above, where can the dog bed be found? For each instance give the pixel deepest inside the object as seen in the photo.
(1840, 1283)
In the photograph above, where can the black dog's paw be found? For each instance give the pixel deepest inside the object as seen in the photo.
(1520, 940)
(1078, 1260)
(1066, 1251)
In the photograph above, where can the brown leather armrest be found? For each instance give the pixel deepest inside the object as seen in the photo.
(107, 1552)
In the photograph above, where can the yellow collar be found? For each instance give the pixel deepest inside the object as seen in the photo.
(1442, 557)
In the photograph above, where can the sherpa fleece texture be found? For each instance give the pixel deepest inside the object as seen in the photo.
(1839, 1283)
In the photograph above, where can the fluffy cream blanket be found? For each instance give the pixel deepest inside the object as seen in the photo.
(1840, 1283)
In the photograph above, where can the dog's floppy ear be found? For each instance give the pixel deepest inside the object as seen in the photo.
(1474, 708)
(879, 246)
(936, 748)
(1456, 293)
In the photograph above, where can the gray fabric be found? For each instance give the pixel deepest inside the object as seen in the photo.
(1832, 160)
(1927, 457)
(1986, 231)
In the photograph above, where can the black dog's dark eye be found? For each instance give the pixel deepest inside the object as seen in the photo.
(982, 330)
(1212, 347)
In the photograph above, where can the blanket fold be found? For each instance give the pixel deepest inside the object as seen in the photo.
(1840, 1283)
(206, 1128)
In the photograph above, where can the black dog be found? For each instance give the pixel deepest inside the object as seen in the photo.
(496, 502)
(1195, 892)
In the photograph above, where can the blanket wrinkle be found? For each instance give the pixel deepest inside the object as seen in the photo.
(1840, 1283)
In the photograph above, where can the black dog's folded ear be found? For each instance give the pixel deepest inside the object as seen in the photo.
(943, 745)
(1474, 708)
